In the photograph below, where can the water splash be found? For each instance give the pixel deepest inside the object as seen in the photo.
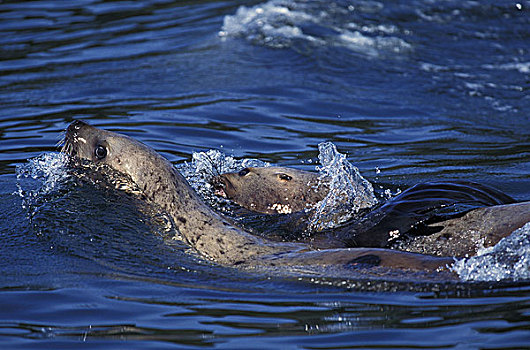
(349, 191)
(284, 23)
(206, 165)
(507, 260)
(49, 172)
(49, 168)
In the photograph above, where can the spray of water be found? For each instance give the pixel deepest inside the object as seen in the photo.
(507, 260)
(349, 191)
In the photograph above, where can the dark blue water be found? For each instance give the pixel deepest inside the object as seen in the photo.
(411, 91)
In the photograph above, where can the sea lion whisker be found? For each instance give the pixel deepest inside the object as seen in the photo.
(61, 139)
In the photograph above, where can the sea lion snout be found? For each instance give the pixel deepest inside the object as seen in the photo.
(75, 126)
(271, 190)
(223, 187)
(73, 138)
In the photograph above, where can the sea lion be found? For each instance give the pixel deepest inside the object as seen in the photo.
(283, 190)
(272, 190)
(213, 236)
(416, 220)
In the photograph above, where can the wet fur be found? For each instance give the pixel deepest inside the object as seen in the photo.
(210, 234)
(272, 190)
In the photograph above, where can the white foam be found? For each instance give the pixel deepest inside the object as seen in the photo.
(280, 23)
(507, 260)
(521, 67)
(206, 165)
(433, 68)
(274, 24)
(48, 168)
(373, 45)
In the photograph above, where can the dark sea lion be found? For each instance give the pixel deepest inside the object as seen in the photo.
(416, 220)
(210, 234)
(272, 190)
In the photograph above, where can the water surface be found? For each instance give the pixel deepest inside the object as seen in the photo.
(411, 91)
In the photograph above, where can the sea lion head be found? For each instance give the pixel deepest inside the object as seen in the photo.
(271, 190)
(109, 150)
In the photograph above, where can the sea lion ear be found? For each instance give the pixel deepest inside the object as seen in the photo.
(284, 177)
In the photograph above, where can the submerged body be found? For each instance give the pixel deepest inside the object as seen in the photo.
(210, 234)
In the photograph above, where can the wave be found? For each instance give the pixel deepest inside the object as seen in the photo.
(287, 23)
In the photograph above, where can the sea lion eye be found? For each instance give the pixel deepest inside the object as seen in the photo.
(244, 172)
(285, 177)
(100, 152)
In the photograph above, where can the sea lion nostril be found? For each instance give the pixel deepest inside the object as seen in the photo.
(217, 184)
(75, 126)
(78, 123)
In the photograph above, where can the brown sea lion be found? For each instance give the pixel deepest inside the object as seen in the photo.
(209, 233)
(272, 190)
(423, 210)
